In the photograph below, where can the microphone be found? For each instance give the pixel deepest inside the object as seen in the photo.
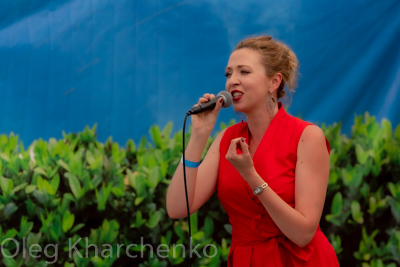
(227, 98)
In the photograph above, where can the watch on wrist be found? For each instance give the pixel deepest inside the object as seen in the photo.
(260, 188)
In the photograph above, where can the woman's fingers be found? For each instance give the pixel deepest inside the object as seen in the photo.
(244, 146)
(206, 97)
(233, 147)
(238, 146)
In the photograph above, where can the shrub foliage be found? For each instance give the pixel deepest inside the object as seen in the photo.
(79, 202)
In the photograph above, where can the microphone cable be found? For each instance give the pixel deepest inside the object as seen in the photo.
(197, 109)
(186, 192)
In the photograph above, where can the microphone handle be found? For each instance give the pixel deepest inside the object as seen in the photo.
(205, 106)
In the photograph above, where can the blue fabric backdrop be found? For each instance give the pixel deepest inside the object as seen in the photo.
(127, 65)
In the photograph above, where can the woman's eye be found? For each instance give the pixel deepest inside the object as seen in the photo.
(227, 74)
(245, 72)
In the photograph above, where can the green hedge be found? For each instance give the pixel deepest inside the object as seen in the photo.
(60, 199)
(362, 210)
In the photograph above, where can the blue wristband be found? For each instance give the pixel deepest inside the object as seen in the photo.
(190, 164)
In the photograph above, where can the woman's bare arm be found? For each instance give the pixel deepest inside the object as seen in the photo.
(201, 181)
(312, 174)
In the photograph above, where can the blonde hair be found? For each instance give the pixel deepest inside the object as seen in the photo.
(276, 57)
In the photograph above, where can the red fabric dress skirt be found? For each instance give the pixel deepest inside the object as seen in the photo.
(256, 240)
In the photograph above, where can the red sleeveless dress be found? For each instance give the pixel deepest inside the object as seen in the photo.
(256, 240)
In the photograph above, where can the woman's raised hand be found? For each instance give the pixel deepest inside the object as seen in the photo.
(204, 121)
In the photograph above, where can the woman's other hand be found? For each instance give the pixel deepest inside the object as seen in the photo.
(239, 156)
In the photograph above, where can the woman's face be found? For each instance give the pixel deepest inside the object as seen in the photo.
(246, 80)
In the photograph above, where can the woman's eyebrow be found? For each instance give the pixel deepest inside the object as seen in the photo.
(238, 66)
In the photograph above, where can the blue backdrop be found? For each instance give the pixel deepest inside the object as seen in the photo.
(127, 64)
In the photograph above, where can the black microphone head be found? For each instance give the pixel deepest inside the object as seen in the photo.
(227, 98)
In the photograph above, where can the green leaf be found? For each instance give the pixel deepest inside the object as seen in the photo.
(362, 156)
(74, 185)
(336, 243)
(154, 177)
(53, 172)
(54, 183)
(77, 228)
(168, 237)
(67, 221)
(118, 192)
(155, 134)
(130, 146)
(44, 185)
(137, 181)
(80, 260)
(113, 233)
(387, 130)
(40, 170)
(9, 234)
(364, 190)
(394, 207)
(33, 239)
(166, 132)
(109, 231)
(9, 260)
(106, 191)
(208, 226)
(30, 188)
(5, 157)
(356, 212)
(179, 231)
(91, 159)
(394, 190)
(352, 176)
(69, 197)
(139, 219)
(333, 177)
(41, 197)
(372, 205)
(9, 209)
(6, 185)
(97, 261)
(175, 254)
(18, 187)
(222, 126)
(96, 181)
(333, 218)
(31, 207)
(198, 235)
(228, 228)
(142, 144)
(337, 204)
(138, 200)
(194, 222)
(64, 165)
(117, 153)
(56, 229)
(154, 219)
(25, 227)
(397, 133)
(102, 196)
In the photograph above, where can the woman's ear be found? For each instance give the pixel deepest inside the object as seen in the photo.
(276, 81)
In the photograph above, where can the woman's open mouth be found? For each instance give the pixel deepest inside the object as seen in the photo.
(236, 95)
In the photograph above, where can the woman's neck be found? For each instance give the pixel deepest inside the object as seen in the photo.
(258, 123)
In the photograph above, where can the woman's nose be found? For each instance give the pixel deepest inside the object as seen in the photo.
(233, 80)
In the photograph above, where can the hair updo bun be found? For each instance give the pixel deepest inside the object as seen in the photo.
(276, 57)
